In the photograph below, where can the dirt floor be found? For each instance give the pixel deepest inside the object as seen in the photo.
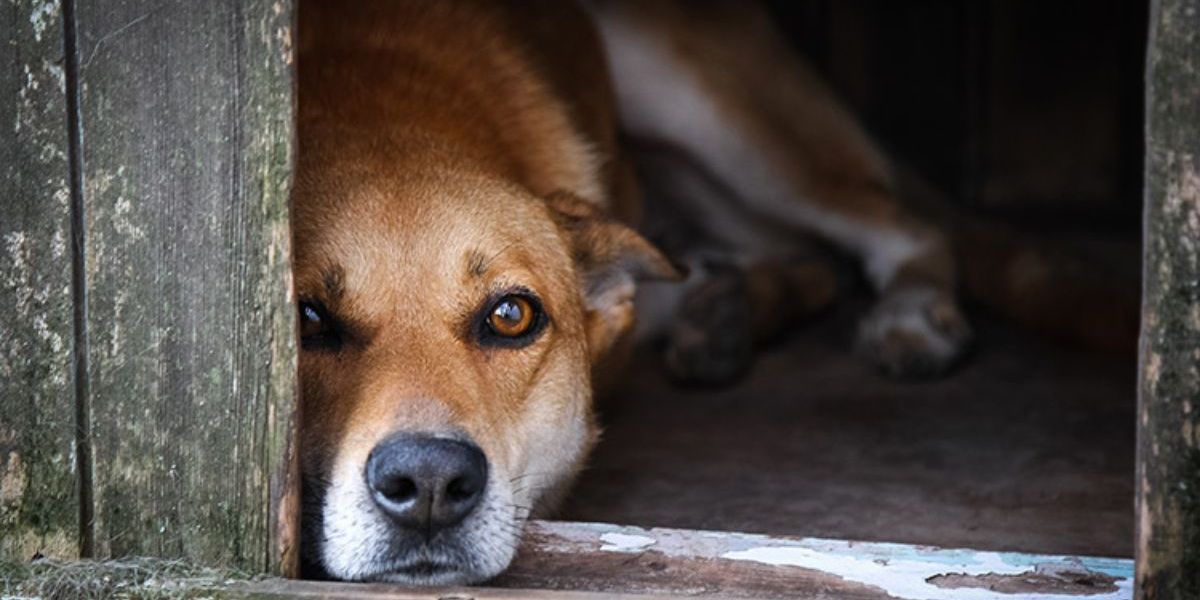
(1027, 447)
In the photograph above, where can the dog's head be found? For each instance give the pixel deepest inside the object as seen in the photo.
(450, 323)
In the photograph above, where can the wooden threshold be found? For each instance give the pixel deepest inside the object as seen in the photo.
(591, 560)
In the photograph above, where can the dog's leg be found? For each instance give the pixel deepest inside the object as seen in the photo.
(744, 285)
(732, 308)
(715, 80)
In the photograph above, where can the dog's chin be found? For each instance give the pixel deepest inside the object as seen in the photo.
(464, 559)
(355, 542)
(429, 574)
(452, 558)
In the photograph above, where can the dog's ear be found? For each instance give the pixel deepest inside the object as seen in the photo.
(610, 258)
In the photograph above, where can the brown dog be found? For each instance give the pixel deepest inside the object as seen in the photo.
(465, 264)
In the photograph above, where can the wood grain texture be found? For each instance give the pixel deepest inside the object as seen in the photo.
(618, 559)
(186, 130)
(38, 510)
(1168, 464)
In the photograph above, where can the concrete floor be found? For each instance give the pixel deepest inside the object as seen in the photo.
(1027, 447)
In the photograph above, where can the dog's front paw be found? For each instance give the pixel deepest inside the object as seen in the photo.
(711, 340)
(914, 333)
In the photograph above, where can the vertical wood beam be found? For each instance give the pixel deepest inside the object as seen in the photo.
(38, 502)
(1168, 466)
(185, 113)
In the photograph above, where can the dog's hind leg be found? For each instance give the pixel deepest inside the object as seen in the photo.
(716, 81)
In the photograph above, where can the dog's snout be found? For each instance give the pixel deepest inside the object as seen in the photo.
(426, 483)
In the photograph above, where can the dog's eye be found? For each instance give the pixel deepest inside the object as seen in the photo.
(511, 316)
(513, 320)
(316, 329)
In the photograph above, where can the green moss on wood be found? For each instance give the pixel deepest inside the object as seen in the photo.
(187, 116)
(38, 510)
(1169, 414)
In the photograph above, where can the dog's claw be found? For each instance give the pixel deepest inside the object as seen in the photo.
(914, 334)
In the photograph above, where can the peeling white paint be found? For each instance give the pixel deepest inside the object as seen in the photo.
(30, 294)
(58, 245)
(19, 275)
(125, 222)
(25, 106)
(901, 570)
(621, 542)
(908, 579)
(31, 82)
(43, 14)
(57, 73)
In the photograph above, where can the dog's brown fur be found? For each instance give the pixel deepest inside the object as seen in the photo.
(453, 150)
(443, 159)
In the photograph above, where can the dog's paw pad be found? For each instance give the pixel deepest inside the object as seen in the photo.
(711, 339)
(914, 334)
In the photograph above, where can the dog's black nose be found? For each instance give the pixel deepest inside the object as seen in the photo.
(426, 483)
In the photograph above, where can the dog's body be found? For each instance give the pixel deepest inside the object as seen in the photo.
(465, 261)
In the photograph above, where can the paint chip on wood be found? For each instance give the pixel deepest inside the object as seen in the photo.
(620, 542)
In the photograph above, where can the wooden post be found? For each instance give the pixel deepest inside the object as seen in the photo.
(169, 359)
(1168, 487)
(38, 509)
(185, 115)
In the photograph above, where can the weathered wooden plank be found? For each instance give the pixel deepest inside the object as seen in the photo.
(589, 560)
(186, 127)
(622, 559)
(38, 509)
(1168, 464)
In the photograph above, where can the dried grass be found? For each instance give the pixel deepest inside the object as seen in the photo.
(124, 579)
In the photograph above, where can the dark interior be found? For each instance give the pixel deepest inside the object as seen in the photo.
(1027, 112)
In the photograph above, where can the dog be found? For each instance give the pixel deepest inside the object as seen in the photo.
(468, 267)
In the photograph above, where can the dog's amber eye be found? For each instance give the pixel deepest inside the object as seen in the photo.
(512, 316)
(511, 320)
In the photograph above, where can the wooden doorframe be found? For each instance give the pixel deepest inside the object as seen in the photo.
(148, 353)
(127, 183)
(1168, 448)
